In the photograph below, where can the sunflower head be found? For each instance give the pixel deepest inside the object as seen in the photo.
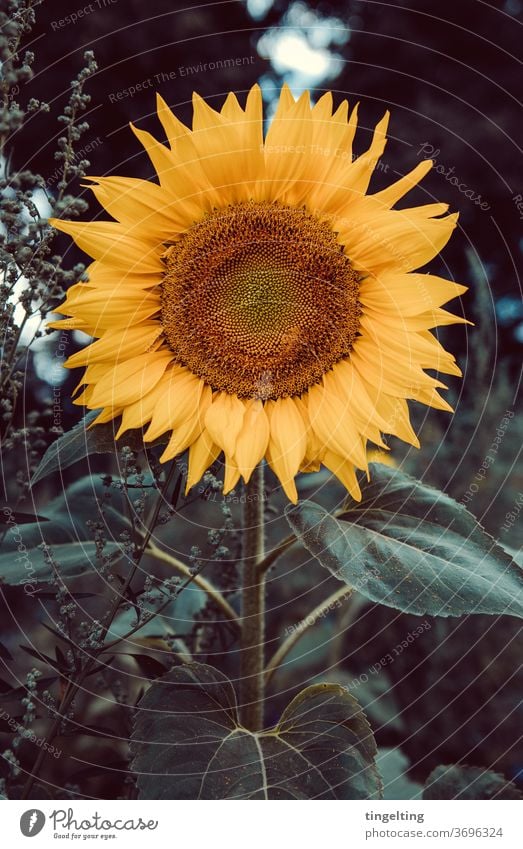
(256, 300)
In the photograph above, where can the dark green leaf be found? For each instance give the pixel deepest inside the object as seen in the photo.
(413, 548)
(393, 766)
(11, 723)
(74, 445)
(73, 559)
(68, 517)
(48, 594)
(40, 656)
(94, 731)
(176, 491)
(5, 654)
(19, 692)
(468, 782)
(14, 517)
(105, 665)
(105, 768)
(149, 666)
(61, 659)
(82, 441)
(188, 744)
(55, 633)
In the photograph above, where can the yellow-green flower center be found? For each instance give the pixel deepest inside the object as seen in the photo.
(259, 300)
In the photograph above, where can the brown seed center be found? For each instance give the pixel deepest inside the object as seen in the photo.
(259, 300)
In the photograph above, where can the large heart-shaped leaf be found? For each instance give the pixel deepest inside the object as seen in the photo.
(188, 744)
(413, 548)
(468, 782)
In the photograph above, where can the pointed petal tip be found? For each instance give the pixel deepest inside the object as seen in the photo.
(121, 430)
(289, 488)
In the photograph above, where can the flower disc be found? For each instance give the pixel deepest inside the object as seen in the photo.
(259, 300)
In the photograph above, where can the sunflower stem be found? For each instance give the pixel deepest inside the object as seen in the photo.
(252, 660)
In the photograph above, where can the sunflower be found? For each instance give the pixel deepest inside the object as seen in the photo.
(256, 301)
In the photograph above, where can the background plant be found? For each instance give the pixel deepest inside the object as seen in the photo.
(98, 571)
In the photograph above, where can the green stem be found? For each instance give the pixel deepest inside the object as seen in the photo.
(335, 600)
(271, 557)
(252, 684)
(206, 586)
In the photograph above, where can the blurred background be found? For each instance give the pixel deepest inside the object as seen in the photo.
(449, 72)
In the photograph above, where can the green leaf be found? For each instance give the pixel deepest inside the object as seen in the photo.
(15, 517)
(188, 744)
(468, 782)
(74, 445)
(82, 441)
(413, 548)
(68, 517)
(393, 766)
(73, 559)
(149, 666)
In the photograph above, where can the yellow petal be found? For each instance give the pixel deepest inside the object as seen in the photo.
(132, 201)
(180, 173)
(417, 348)
(173, 127)
(107, 415)
(314, 449)
(127, 382)
(187, 433)
(287, 149)
(231, 477)
(253, 439)
(117, 345)
(396, 411)
(69, 324)
(386, 198)
(114, 243)
(141, 411)
(344, 470)
(334, 425)
(402, 240)
(378, 369)
(407, 294)
(109, 311)
(230, 146)
(180, 400)
(346, 382)
(358, 178)
(224, 421)
(287, 443)
(202, 454)
(104, 276)
(349, 182)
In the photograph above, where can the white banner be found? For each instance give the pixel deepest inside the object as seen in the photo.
(186, 824)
